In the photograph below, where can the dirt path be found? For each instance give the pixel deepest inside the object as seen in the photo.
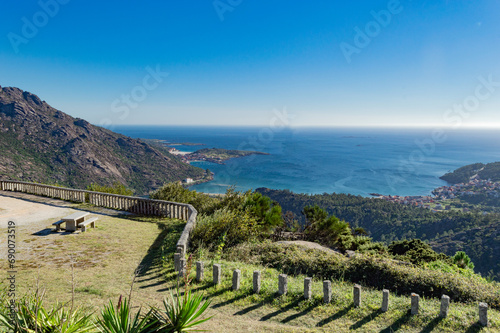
(27, 211)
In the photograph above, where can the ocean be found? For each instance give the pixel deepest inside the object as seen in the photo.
(358, 161)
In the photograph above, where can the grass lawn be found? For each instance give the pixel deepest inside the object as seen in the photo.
(340, 315)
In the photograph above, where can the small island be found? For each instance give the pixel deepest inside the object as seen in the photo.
(217, 155)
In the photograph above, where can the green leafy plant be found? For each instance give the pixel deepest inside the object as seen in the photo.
(121, 320)
(328, 230)
(176, 192)
(462, 260)
(264, 210)
(182, 313)
(237, 227)
(32, 316)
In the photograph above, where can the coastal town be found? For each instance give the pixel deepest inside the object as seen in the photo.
(212, 155)
(442, 195)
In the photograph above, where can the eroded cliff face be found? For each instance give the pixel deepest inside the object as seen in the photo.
(39, 143)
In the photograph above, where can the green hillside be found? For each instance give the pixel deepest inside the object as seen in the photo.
(386, 221)
(483, 171)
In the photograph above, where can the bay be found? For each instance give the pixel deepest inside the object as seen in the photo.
(358, 161)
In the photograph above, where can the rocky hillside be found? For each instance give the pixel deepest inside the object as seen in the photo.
(41, 144)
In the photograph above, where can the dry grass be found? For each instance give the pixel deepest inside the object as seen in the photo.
(104, 261)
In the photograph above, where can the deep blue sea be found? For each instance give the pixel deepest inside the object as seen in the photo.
(318, 160)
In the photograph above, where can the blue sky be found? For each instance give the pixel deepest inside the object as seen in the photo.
(235, 62)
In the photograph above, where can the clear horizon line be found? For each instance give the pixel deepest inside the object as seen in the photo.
(383, 126)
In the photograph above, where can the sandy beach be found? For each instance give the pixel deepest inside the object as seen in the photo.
(178, 152)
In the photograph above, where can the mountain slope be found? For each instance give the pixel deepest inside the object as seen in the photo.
(481, 244)
(39, 143)
(475, 233)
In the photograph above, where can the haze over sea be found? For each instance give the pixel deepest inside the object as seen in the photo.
(343, 160)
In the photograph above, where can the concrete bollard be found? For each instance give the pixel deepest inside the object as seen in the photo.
(414, 303)
(199, 271)
(307, 288)
(327, 291)
(256, 282)
(445, 306)
(385, 300)
(356, 293)
(217, 272)
(236, 279)
(282, 284)
(483, 314)
(182, 267)
(177, 259)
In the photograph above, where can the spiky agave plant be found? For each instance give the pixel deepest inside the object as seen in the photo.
(182, 313)
(31, 316)
(120, 319)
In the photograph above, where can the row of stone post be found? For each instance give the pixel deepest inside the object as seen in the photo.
(327, 289)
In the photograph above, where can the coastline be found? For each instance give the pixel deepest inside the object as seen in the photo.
(315, 162)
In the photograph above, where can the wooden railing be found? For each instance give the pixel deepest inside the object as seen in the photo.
(136, 205)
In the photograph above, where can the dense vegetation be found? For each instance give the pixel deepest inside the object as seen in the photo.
(370, 270)
(181, 313)
(463, 174)
(484, 171)
(386, 222)
(236, 226)
(227, 220)
(481, 244)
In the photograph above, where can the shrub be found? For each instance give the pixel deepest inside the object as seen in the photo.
(415, 251)
(463, 261)
(175, 192)
(266, 212)
(120, 319)
(440, 265)
(31, 315)
(181, 313)
(235, 227)
(327, 230)
(371, 271)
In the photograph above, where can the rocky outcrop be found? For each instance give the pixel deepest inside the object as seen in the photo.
(41, 144)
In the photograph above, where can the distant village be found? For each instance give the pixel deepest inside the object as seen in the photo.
(473, 187)
(188, 157)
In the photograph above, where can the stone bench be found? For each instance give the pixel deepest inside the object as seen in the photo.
(86, 223)
(58, 224)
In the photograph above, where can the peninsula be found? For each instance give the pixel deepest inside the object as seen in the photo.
(214, 155)
(474, 186)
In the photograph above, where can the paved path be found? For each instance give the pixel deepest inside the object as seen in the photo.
(26, 210)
